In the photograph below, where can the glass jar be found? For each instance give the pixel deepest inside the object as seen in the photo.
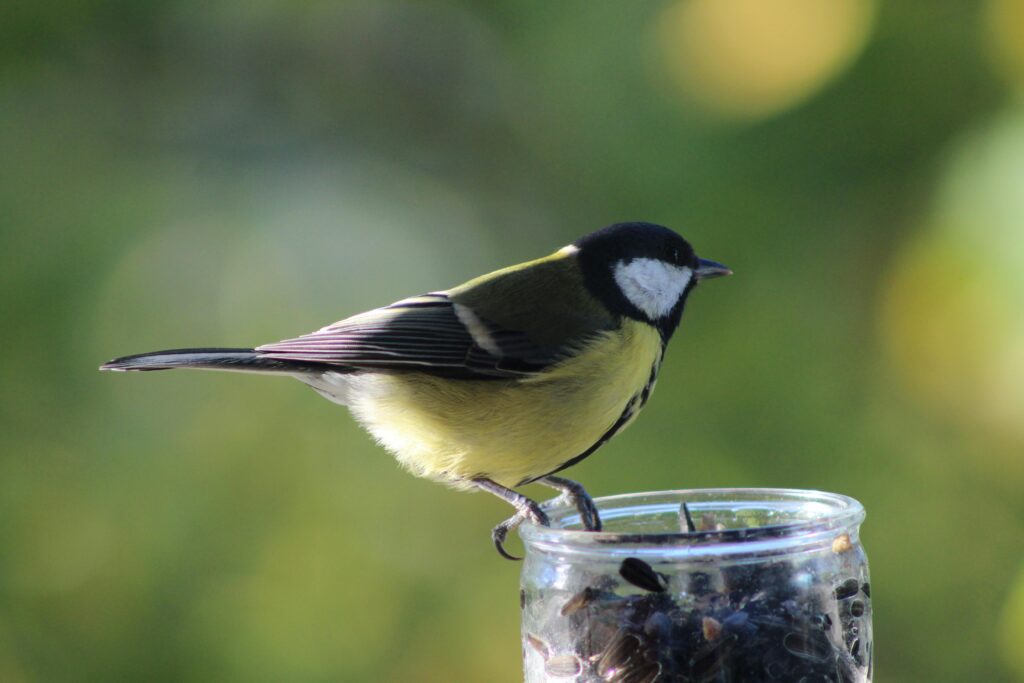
(739, 585)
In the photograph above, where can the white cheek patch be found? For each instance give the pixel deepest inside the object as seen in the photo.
(652, 285)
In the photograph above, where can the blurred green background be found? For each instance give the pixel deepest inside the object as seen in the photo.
(180, 173)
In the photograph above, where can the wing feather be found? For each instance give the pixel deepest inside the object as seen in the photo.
(423, 333)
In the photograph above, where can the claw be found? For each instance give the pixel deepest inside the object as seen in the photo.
(588, 513)
(529, 511)
(536, 515)
(500, 533)
(575, 495)
(525, 509)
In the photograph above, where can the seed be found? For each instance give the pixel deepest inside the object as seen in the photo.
(646, 672)
(537, 644)
(759, 595)
(580, 600)
(857, 608)
(622, 648)
(841, 544)
(847, 589)
(866, 588)
(815, 647)
(707, 523)
(686, 519)
(640, 574)
(563, 665)
(711, 628)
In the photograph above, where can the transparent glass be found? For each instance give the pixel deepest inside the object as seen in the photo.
(770, 585)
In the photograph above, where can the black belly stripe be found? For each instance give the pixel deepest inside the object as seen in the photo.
(634, 405)
(623, 419)
(649, 387)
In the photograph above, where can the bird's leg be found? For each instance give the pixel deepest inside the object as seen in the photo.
(574, 494)
(525, 509)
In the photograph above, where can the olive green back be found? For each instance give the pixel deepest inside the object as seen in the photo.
(545, 298)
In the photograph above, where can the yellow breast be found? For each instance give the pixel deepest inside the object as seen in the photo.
(509, 430)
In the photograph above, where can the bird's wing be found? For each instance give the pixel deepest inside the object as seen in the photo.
(431, 333)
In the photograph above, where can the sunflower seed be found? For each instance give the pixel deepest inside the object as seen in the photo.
(641, 575)
(847, 589)
(563, 666)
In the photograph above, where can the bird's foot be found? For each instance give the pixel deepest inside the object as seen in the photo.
(574, 494)
(527, 510)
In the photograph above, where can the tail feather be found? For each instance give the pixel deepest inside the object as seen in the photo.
(238, 360)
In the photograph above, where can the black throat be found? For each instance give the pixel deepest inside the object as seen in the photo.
(668, 324)
(599, 252)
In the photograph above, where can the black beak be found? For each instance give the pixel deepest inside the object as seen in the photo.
(708, 269)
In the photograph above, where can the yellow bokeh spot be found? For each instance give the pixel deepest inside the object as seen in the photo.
(747, 59)
(1004, 37)
(953, 308)
(950, 327)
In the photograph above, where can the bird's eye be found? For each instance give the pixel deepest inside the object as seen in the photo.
(675, 255)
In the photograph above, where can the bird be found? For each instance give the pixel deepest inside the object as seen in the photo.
(505, 380)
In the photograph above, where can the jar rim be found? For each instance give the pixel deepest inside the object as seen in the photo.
(823, 516)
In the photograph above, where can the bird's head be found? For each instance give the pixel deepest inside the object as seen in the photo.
(643, 271)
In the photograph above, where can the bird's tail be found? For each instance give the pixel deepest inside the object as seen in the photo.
(238, 360)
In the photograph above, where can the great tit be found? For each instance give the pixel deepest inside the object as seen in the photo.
(506, 379)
